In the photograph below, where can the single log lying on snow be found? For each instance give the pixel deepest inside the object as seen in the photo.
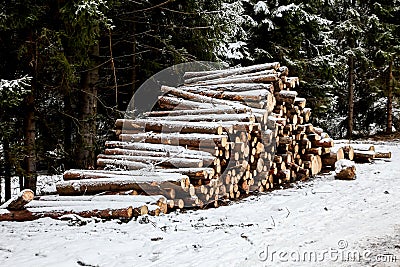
(345, 170)
(147, 200)
(18, 202)
(158, 173)
(364, 155)
(56, 212)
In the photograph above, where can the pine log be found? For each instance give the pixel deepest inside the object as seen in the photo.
(207, 100)
(259, 77)
(138, 183)
(364, 155)
(256, 98)
(206, 157)
(248, 116)
(233, 87)
(18, 202)
(74, 174)
(285, 96)
(123, 164)
(148, 200)
(166, 102)
(251, 95)
(173, 113)
(232, 71)
(171, 161)
(157, 148)
(55, 213)
(166, 126)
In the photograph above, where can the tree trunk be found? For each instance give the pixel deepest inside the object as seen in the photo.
(30, 129)
(390, 99)
(134, 63)
(85, 151)
(7, 169)
(30, 157)
(351, 97)
(67, 130)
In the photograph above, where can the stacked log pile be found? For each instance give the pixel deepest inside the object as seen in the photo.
(222, 135)
(230, 132)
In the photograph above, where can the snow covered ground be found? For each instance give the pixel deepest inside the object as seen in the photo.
(322, 222)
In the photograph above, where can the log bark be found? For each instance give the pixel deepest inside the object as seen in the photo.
(171, 161)
(205, 100)
(166, 102)
(95, 174)
(261, 78)
(157, 148)
(172, 113)
(253, 95)
(55, 213)
(386, 155)
(123, 164)
(207, 158)
(110, 199)
(232, 87)
(138, 183)
(364, 156)
(206, 75)
(213, 117)
(154, 125)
